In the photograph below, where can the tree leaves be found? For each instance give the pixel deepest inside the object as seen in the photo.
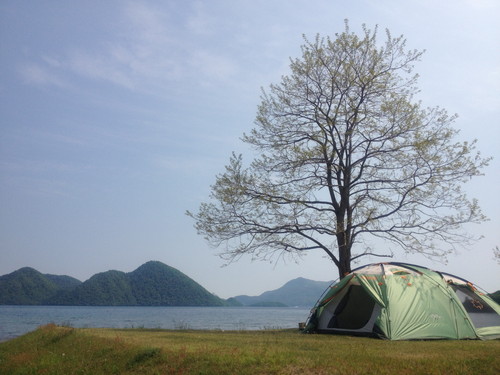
(346, 154)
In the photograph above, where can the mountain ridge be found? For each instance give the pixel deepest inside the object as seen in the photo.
(296, 292)
(26, 286)
(151, 284)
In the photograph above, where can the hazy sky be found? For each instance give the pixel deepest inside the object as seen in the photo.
(115, 117)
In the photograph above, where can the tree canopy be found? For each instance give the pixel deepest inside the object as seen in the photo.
(346, 153)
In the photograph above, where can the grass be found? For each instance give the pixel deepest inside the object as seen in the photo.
(64, 350)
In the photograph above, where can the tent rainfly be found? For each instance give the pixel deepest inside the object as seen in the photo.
(398, 301)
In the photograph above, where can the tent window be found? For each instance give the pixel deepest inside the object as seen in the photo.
(354, 310)
(480, 312)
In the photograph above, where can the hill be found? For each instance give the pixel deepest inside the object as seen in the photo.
(63, 282)
(297, 292)
(109, 288)
(495, 296)
(27, 286)
(156, 284)
(152, 284)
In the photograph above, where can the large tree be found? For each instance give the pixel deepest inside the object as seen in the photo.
(345, 153)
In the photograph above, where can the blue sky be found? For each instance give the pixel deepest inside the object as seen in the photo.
(115, 117)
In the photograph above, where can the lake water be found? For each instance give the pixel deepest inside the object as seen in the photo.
(18, 320)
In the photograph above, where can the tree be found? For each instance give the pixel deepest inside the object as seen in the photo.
(345, 153)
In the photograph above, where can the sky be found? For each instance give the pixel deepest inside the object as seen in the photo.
(116, 116)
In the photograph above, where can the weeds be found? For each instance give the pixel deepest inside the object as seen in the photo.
(143, 356)
(63, 350)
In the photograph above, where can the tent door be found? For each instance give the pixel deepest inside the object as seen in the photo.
(354, 311)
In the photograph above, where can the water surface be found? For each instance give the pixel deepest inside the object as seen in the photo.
(18, 320)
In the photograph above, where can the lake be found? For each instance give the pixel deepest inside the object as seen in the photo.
(18, 320)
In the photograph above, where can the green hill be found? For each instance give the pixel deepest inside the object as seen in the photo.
(152, 284)
(27, 286)
(110, 288)
(495, 296)
(156, 284)
(63, 282)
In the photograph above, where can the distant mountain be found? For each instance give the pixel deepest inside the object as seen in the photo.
(297, 292)
(111, 288)
(495, 296)
(63, 282)
(152, 284)
(156, 284)
(27, 286)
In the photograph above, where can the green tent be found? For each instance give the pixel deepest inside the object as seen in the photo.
(398, 301)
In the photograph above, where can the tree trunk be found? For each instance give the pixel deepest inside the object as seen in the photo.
(344, 254)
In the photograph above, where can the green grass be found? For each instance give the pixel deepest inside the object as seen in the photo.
(64, 350)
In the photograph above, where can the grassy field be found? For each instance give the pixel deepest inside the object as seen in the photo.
(64, 350)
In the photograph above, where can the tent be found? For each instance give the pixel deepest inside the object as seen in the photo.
(399, 301)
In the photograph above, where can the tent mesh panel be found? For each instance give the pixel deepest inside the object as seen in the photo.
(480, 312)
